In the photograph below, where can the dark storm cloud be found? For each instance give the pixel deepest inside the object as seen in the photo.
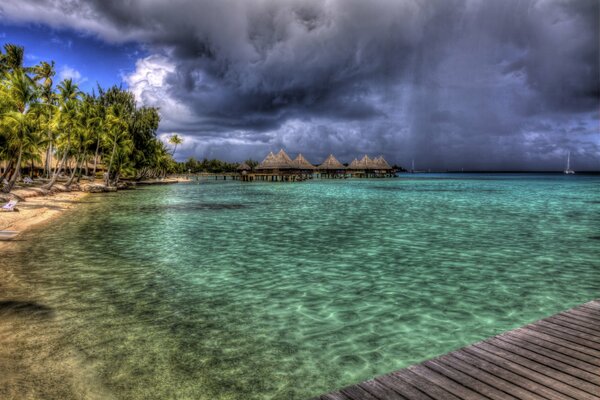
(453, 83)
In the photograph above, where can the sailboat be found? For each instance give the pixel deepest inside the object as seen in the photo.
(569, 171)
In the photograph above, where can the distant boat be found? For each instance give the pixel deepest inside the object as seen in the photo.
(569, 171)
(8, 235)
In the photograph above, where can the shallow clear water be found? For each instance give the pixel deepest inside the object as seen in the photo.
(226, 290)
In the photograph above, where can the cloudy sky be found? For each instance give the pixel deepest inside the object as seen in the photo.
(474, 84)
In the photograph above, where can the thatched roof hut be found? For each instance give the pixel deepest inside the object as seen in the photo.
(331, 163)
(366, 163)
(380, 163)
(277, 161)
(302, 163)
(244, 167)
(354, 164)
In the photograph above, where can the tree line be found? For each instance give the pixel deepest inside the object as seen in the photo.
(191, 165)
(105, 131)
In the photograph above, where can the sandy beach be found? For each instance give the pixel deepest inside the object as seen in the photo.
(35, 209)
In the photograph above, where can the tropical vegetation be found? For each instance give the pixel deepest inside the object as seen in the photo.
(55, 131)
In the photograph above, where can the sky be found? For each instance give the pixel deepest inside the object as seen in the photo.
(452, 84)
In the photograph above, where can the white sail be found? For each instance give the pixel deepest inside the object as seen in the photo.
(569, 171)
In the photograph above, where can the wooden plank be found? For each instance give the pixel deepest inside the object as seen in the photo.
(545, 349)
(565, 335)
(551, 387)
(448, 384)
(583, 313)
(357, 393)
(592, 311)
(490, 374)
(551, 337)
(481, 361)
(589, 338)
(572, 325)
(403, 388)
(334, 396)
(589, 323)
(380, 391)
(543, 365)
(424, 385)
(581, 316)
(592, 305)
(468, 381)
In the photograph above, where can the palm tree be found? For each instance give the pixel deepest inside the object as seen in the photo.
(44, 72)
(176, 140)
(66, 119)
(12, 59)
(22, 137)
(117, 134)
(86, 128)
(21, 97)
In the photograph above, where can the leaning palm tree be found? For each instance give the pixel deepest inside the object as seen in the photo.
(175, 139)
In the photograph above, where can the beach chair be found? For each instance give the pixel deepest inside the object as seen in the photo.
(10, 206)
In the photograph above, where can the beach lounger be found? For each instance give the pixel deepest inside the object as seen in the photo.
(10, 206)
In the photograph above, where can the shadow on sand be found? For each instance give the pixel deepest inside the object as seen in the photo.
(25, 309)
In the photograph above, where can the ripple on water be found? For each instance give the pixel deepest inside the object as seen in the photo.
(267, 291)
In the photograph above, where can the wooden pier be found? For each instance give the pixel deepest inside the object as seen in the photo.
(556, 358)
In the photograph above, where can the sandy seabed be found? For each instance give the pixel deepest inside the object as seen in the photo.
(32, 366)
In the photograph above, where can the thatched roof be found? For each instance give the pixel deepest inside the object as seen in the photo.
(381, 163)
(331, 163)
(277, 161)
(244, 167)
(367, 163)
(302, 163)
(354, 164)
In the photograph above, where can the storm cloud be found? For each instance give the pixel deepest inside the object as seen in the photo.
(510, 84)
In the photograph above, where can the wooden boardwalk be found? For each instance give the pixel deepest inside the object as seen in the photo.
(556, 358)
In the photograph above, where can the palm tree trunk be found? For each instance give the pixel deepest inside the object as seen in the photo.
(8, 168)
(48, 165)
(96, 157)
(14, 177)
(77, 165)
(112, 156)
(60, 166)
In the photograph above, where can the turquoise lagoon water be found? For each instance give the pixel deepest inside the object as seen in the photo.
(226, 290)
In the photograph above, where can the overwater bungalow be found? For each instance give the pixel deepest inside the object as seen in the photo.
(305, 168)
(370, 168)
(281, 168)
(244, 170)
(331, 168)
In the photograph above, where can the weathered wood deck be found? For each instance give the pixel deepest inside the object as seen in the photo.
(556, 358)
